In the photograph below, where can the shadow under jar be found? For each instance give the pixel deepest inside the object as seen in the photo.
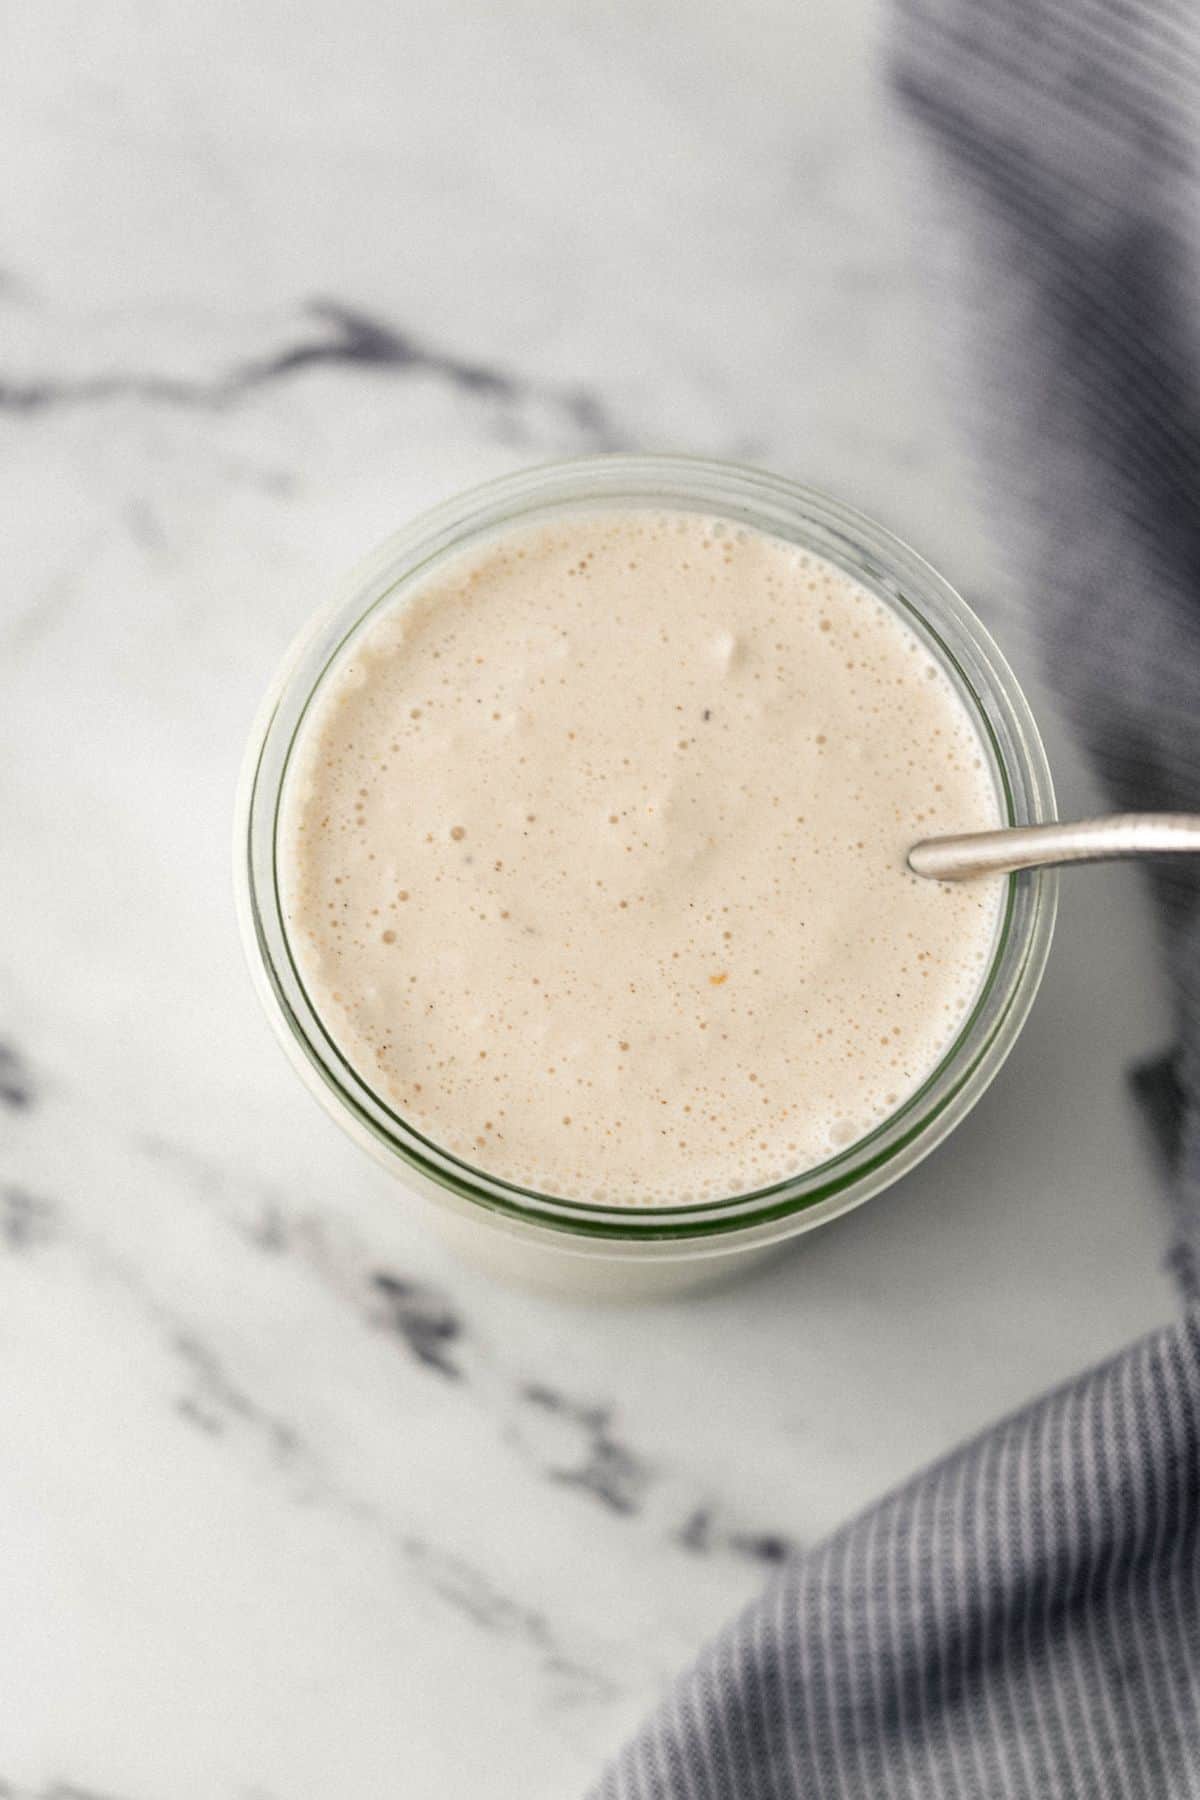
(604, 1249)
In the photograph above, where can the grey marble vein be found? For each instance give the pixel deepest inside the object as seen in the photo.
(1156, 1083)
(264, 1223)
(26, 1219)
(218, 1405)
(467, 1588)
(423, 1319)
(17, 1090)
(703, 1532)
(607, 1469)
(213, 1400)
(583, 1450)
(327, 333)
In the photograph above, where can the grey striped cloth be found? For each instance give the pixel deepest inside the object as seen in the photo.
(1024, 1618)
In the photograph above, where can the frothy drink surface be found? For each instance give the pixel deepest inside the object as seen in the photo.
(593, 858)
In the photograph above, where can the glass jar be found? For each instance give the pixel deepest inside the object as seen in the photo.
(633, 1252)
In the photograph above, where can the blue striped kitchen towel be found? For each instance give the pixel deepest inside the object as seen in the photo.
(1024, 1618)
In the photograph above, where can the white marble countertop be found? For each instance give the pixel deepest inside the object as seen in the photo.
(290, 1505)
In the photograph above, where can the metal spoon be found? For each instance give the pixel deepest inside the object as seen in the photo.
(1038, 846)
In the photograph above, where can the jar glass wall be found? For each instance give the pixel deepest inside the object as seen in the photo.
(604, 1248)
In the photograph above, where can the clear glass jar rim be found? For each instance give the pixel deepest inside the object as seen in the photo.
(767, 502)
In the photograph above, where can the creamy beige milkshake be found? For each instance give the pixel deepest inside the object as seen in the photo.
(592, 858)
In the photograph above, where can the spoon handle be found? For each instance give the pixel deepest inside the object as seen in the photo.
(1037, 846)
